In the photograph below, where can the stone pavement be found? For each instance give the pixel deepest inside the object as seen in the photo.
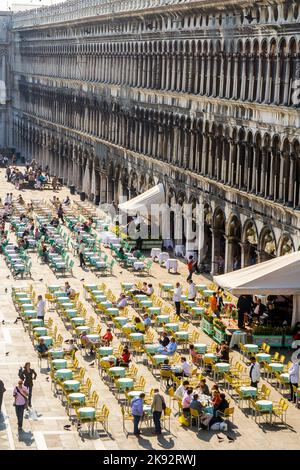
(44, 426)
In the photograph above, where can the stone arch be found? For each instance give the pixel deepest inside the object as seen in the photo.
(285, 245)
(267, 243)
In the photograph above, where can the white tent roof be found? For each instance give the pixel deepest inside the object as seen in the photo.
(277, 276)
(155, 195)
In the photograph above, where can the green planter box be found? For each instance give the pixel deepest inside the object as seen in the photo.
(218, 335)
(287, 341)
(207, 327)
(274, 341)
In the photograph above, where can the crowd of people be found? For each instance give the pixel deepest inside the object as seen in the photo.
(33, 176)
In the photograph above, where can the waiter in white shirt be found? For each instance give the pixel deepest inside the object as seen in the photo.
(40, 308)
(192, 290)
(294, 379)
(177, 297)
(254, 372)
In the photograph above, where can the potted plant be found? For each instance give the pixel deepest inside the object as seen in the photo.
(272, 335)
(219, 330)
(207, 323)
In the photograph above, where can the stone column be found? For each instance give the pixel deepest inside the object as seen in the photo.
(200, 227)
(229, 253)
(292, 182)
(277, 80)
(103, 188)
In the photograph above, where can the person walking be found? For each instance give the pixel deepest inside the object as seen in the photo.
(177, 297)
(20, 395)
(2, 391)
(137, 410)
(254, 372)
(192, 290)
(40, 307)
(60, 213)
(157, 407)
(81, 251)
(28, 375)
(190, 266)
(293, 379)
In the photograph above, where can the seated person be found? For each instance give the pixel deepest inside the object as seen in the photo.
(139, 325)
(187, 368)
(86, 342)
(216, 400)
(141, 291)
(186, 401)
(68, 289)
(196, 404)
(164, 339)
(223, 352)
(223, 404)
(124, 360)
(20, 200)
(107, 337)
(170, 349)
(67, 201)
(196, 357)
(121, 253)
(54, 222)
(41, 347)
(71, 346)
(165, 366)
(147, 321)
(122, 301)
(149, 290)
(203, 388)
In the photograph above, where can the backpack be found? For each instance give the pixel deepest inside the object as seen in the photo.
(21, 373)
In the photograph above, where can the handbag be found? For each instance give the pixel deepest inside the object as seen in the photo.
(25, 398)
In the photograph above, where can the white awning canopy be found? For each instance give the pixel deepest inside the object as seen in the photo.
(155, 195)
(277, 276)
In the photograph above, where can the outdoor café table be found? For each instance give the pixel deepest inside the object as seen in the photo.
(147, 417)
(172, 326)
(172, 263)
(40, 331)
(197, 311)
(263, 357)
(182, 335)
(127, 286)
(82, 329)
(159, 358)
(246, 393)
(200, 287)
(56, 353)
(36, 322)
(64, 374)
(183, 298)
(200, 348)
(211, 356)
(176, 369)
(106, 304)
(125, 383)
(105, 350)
(93, 338)
(208, 292)
(71, 312)
(117, 371)
(72, 385)
(27, 306)
(221, 368)
(54, 288)
(59, 293)
(265, 406)
(133, 393)
(251, 348)
(153, 310)
(22, 295)
(48, 340)
(136, 336)
(128, 326)
(112, 311)
(59, 364)
(99, 298)
(165, 287)
(155, 252)
(78, 321)
(163, 257)
(30, 313)
(237, 338)
(138, 265)
(111, 359)
(88, 412)
(140, 297)
(163, 319)
(146, 303)
(152, 348)
(121, 321)
(276, 366)
(189, 304)
(77, 397)
(67, 305)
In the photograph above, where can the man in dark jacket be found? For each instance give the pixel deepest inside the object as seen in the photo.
(2, 390)
(244, 305)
